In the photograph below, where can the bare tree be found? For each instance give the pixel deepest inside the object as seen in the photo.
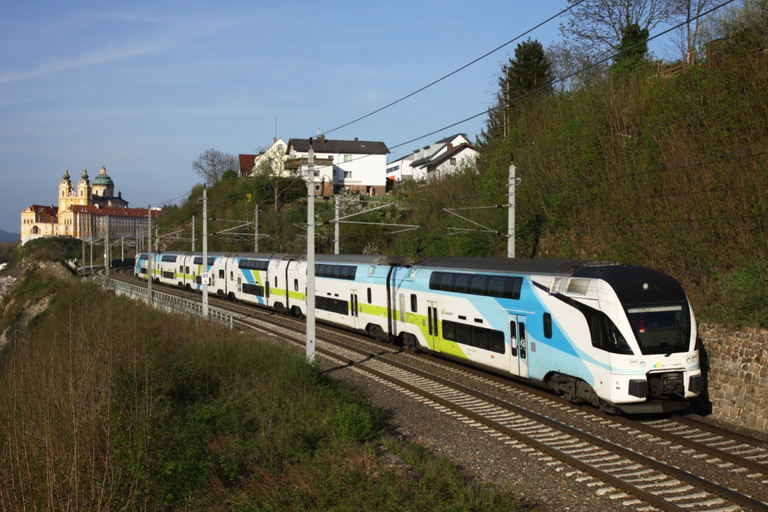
(595, 27)
(736, 19)
(212, 164)
(687, 38)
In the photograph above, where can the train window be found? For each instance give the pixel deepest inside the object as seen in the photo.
(463, 334)
(336, 271)
(478, 285)
(253, 264)
(181, 269)
(295, 285)
(507, 287)
(370, 301)
(187, 270)
(231, 276)
(449, 330)
(547, 325)
(320, 270)
(414, 303)
(605, 335)
(462, 283)
(480, 337)
(496, 341)
(221, 274)
(276, 282)
(512, 286)
(496, 286)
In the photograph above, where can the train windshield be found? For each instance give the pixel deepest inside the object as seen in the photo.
(661, 329)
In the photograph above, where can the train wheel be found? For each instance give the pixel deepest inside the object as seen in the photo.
(411, 343)
(377, 332)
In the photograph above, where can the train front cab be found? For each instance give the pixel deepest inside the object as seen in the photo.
(650, 334)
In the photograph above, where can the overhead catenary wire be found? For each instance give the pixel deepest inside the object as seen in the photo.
(465, 66)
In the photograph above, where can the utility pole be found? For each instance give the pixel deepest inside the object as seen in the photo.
(193, 233)
(149, 257)
(336, 230)
(256, 228)
(511, 212)
(205, 277)
(311, 254)
(157, 241)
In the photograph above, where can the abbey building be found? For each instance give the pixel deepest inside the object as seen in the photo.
(85, 211)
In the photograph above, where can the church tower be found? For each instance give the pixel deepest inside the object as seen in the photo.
(83, 190)
(103, 185)
(65, 192)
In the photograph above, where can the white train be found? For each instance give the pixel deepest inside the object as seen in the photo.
(617, 336)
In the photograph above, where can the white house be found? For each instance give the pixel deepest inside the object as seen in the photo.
(354, 165)
(439, 159)
(272, 159)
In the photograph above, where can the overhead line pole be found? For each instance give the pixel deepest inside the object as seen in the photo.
(256, 228)
(336, 230)
(205, 276)
(149, 256)
(310, 349)
(511, 211)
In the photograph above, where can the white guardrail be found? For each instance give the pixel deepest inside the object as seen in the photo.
(169, 302)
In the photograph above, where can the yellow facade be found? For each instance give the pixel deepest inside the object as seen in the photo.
(84, 211)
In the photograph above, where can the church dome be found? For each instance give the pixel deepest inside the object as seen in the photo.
(103, 179)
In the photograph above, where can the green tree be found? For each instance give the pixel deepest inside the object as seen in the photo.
(632, 53)
(529, 71)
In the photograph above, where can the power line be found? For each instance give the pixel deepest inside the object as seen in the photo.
(568, 77)
(465, 66)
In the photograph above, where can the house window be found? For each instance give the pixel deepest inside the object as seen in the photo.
(347, 175)
(453, 161)
(347, 158)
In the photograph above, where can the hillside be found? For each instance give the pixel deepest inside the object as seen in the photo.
(666, 171)
(108, 405)
(5, 236)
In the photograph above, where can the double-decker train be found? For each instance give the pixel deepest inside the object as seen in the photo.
(617, 336)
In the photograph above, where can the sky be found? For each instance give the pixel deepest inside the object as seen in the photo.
(145, 87)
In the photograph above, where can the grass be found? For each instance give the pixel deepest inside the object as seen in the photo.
(109, 405)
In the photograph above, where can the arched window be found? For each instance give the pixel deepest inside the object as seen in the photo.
(35, 230)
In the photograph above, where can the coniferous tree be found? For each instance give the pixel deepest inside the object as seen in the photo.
(633, 50)
(529, 71)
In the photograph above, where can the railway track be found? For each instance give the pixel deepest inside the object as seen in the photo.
(638, 462)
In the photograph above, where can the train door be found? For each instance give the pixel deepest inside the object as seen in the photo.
(433, 329)
(354, 310)
(519, 343)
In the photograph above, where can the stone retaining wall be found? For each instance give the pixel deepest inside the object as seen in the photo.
(737, 374)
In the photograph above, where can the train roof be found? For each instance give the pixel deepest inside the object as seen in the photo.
(363, 259)
(521, 265)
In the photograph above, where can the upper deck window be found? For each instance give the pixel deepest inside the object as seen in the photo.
(505, 287)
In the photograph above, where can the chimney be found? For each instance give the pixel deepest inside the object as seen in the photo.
(356, 139)
(321, 138)
(274, 139)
